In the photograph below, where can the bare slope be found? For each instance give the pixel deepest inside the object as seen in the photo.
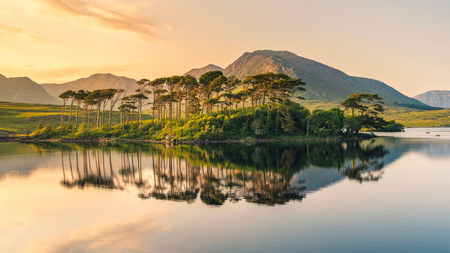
(94, 82)
(23, 89)
(323, 83)
(197, 73)
(437, 98)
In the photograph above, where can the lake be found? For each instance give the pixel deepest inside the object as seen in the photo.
(379, 195)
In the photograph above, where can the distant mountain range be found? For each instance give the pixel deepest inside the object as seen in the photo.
(94, 82)
(197, 73)
(23, 89)
(323, 83)
(437, 98)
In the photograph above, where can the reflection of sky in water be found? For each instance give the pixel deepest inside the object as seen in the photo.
(431, 133)
(405, 211)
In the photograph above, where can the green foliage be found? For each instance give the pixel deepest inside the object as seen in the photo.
(46, 132)
(352, 126)
(392, 126)
(325, 123)
(368, 106)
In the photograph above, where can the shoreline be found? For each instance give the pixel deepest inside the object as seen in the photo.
(198, 141)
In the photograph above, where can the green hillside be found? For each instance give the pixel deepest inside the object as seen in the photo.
(418, 118)
(19, 118)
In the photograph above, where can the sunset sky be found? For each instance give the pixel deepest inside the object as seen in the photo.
(404, 43)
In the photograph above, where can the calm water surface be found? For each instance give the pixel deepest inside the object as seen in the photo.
(382, 195)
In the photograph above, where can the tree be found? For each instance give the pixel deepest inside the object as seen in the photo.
(142, 92)
(261, 83)
(65, 96)
(366, 104)
(107, 95)
(115, 98)
(369, 106)
(79, 97)
(282, 90)
(210, 82)
(158, 103)
(157, 88)
(187, 85)
(171, 83)
(140, 100)
(230, 85)
(98, 97)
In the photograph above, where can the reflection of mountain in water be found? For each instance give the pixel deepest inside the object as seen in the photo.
(314, 179)
(22, 159)
(427, 147)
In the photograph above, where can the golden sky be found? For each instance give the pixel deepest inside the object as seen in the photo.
(403, 43)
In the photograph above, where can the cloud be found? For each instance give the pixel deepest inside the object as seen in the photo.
(17, 33)
(60, 74)
(96, 16)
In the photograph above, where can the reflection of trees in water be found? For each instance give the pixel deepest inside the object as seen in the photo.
(261, 174)
(365, 164)
(91, 170)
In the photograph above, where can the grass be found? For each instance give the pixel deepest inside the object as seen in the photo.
(21, 118)
(418, 118)
(406, 116)
(18, 118)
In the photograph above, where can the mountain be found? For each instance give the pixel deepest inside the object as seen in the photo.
(197, 73)
(25, 90)
(94, 82)
(323, 83)
(437, 98)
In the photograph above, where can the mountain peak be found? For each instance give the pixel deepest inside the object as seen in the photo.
(198, 72)
(25, 90)
(436, 98)
(323, 82)
(93, 82)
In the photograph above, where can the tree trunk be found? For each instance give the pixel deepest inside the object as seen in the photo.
(70, 113)
(103, 114)
(140, 113)
(89, 118)
(76, 117)
(170, 111)
(153, 114)
(186, 110)
(62, 114)
(110, 115)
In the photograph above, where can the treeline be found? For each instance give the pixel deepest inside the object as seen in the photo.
(216, 107)
(212, 92)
